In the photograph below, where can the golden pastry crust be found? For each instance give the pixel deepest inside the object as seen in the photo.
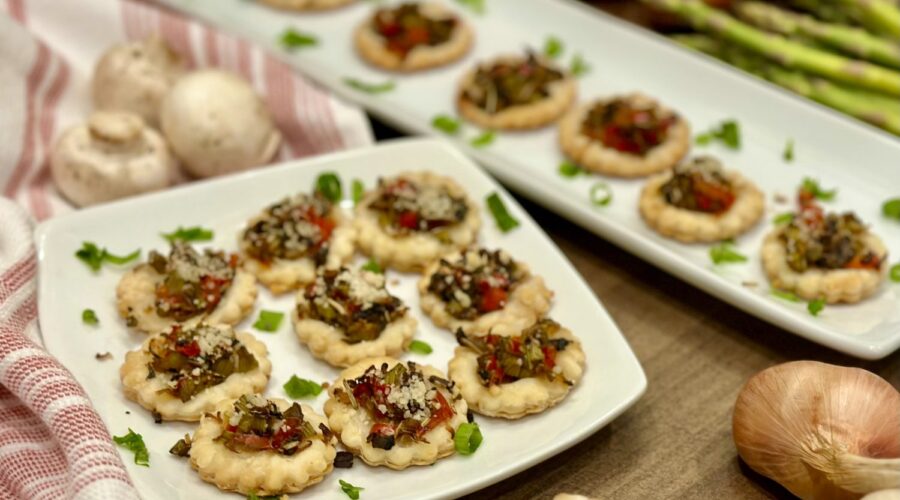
(830, 285)
(352, 426)
(411, 253)
(561, 95)
(311, 5)
(136, 300)
(263, 473)
(370, 45)
(151, 393)
(522, 397)
(594, 156)
(283, 275)
(529, 300)
(689, 226)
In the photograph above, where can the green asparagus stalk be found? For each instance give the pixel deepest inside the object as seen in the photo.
(880, 16)
(851, 40)
(826, 11)
(786, 52)
(871, 107)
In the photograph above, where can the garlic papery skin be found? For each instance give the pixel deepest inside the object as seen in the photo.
(883, 495)
(822, 431)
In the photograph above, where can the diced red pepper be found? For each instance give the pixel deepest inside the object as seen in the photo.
(493, 299)
(549, 356)
(442, 414)
(190, 350)
(408, 220)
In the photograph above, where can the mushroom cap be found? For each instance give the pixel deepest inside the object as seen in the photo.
(216, 124)
(113, 155)
(135, 76)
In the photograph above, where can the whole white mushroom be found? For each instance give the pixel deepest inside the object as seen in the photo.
(111, 156)
(135, 76)
(216, 124)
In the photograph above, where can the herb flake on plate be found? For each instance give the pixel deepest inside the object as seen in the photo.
(727, 132)
(291, 39)
(301, 388)
(373, 267)
(815, 306)
(268, 321)
(329, 184)
(369, 88)
(446, 124)
(579, 66)
(785, 295)
(483, 140)
(94, 256)
(891, 209)
(812, 187)
(89, 317)
(350, 490)
(195, 233)
(783, 218)
(895, 273)
(570, 169)
(725, 253)
(134, 443)
(553, 47)
(788, 153)
(358, 189)
(468, 438)
(502, 217)
(476, 6)
(419, 347)
(601, 194)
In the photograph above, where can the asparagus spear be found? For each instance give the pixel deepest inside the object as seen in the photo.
(855, 41)
(786, 52)
(880, 16)
(826, 11)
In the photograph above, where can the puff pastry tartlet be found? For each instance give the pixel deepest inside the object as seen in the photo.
(186, 286)
(701, 202)
(185, 371)
(510, 374)
(394, 413)
(476, 288)
(262, 446)
(828, 256)
(348, 315)
(413, 36)
(515, 92)
(287, 242)
(412, 219)
(307, 4)
(624, 136)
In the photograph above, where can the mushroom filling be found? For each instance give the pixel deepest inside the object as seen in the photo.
(814, 239)
(256, 424)
(354, 302)
(628, 126)
(401, 402)
(405, 27)
(503, 85)
(194, 282)
(699, 185)
(476, 283)
(293, 228)
(405, 207)
(196, 358)
(502, 359)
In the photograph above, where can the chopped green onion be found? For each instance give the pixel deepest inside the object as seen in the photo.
(725, 253)
(482, 140)
(369, 88)
(788, 154)
(728, 132)
(195, 233)
(477, 6)
(89, 317)
(419, 347)
(329, 184)
(504, 220)
(569, 169)
(94, 256)
(268, 321)
(446, 124)
(812, 187)
(300, 388)
(891, 209)
(372, 267)
(253, 496)
(134, 443)
(783, 218)
(578, 66)
(784, 295)
(468, 438)
(358, 189)
(601, 194)
(553, 47)
(895, 273)
(815, 306)
(292, 39)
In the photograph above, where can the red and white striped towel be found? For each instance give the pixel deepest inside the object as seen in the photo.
(52, 442)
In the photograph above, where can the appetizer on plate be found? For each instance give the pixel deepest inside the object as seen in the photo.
(185, 371)
(412, 36)
(348, 315)
(307, 4)
(262, 446)
(186, 286)
(700, 201)
(625, 136)
(827, 256)
(287, 242)
(510, 373)
(395, 413)
(515, 92)
(476, 288)
(412, 219)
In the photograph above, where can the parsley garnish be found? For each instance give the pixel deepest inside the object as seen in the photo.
(728, 132)
(784, 295)
(476, 6)
(369, 88)
(553, 47)
(504, 220)
(783, 218)
(419, 347)
(94, 256)
(725, 253)
(788, 154)
(895, 273)
(446, 124)
(300, 388)
(815, 306)
(329, 184)
(268, 321)
(358, 189)
(812, 187)
(578, 66)
(195, 233)
(134, 443)
(468, 438)
(482, 140)
(292, 39)
(891, 208)
(569, 169)
(89, 317)
(372, 267)
(601, 194)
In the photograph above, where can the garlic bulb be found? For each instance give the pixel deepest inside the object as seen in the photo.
(822, 431)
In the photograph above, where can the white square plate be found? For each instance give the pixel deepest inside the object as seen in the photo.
(862, 162)
(612, 382)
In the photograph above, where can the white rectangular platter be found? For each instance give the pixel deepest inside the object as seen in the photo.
(861, 161)
(613, 379)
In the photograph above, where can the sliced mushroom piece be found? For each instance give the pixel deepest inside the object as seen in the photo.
(114, 155)
(216, 124)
